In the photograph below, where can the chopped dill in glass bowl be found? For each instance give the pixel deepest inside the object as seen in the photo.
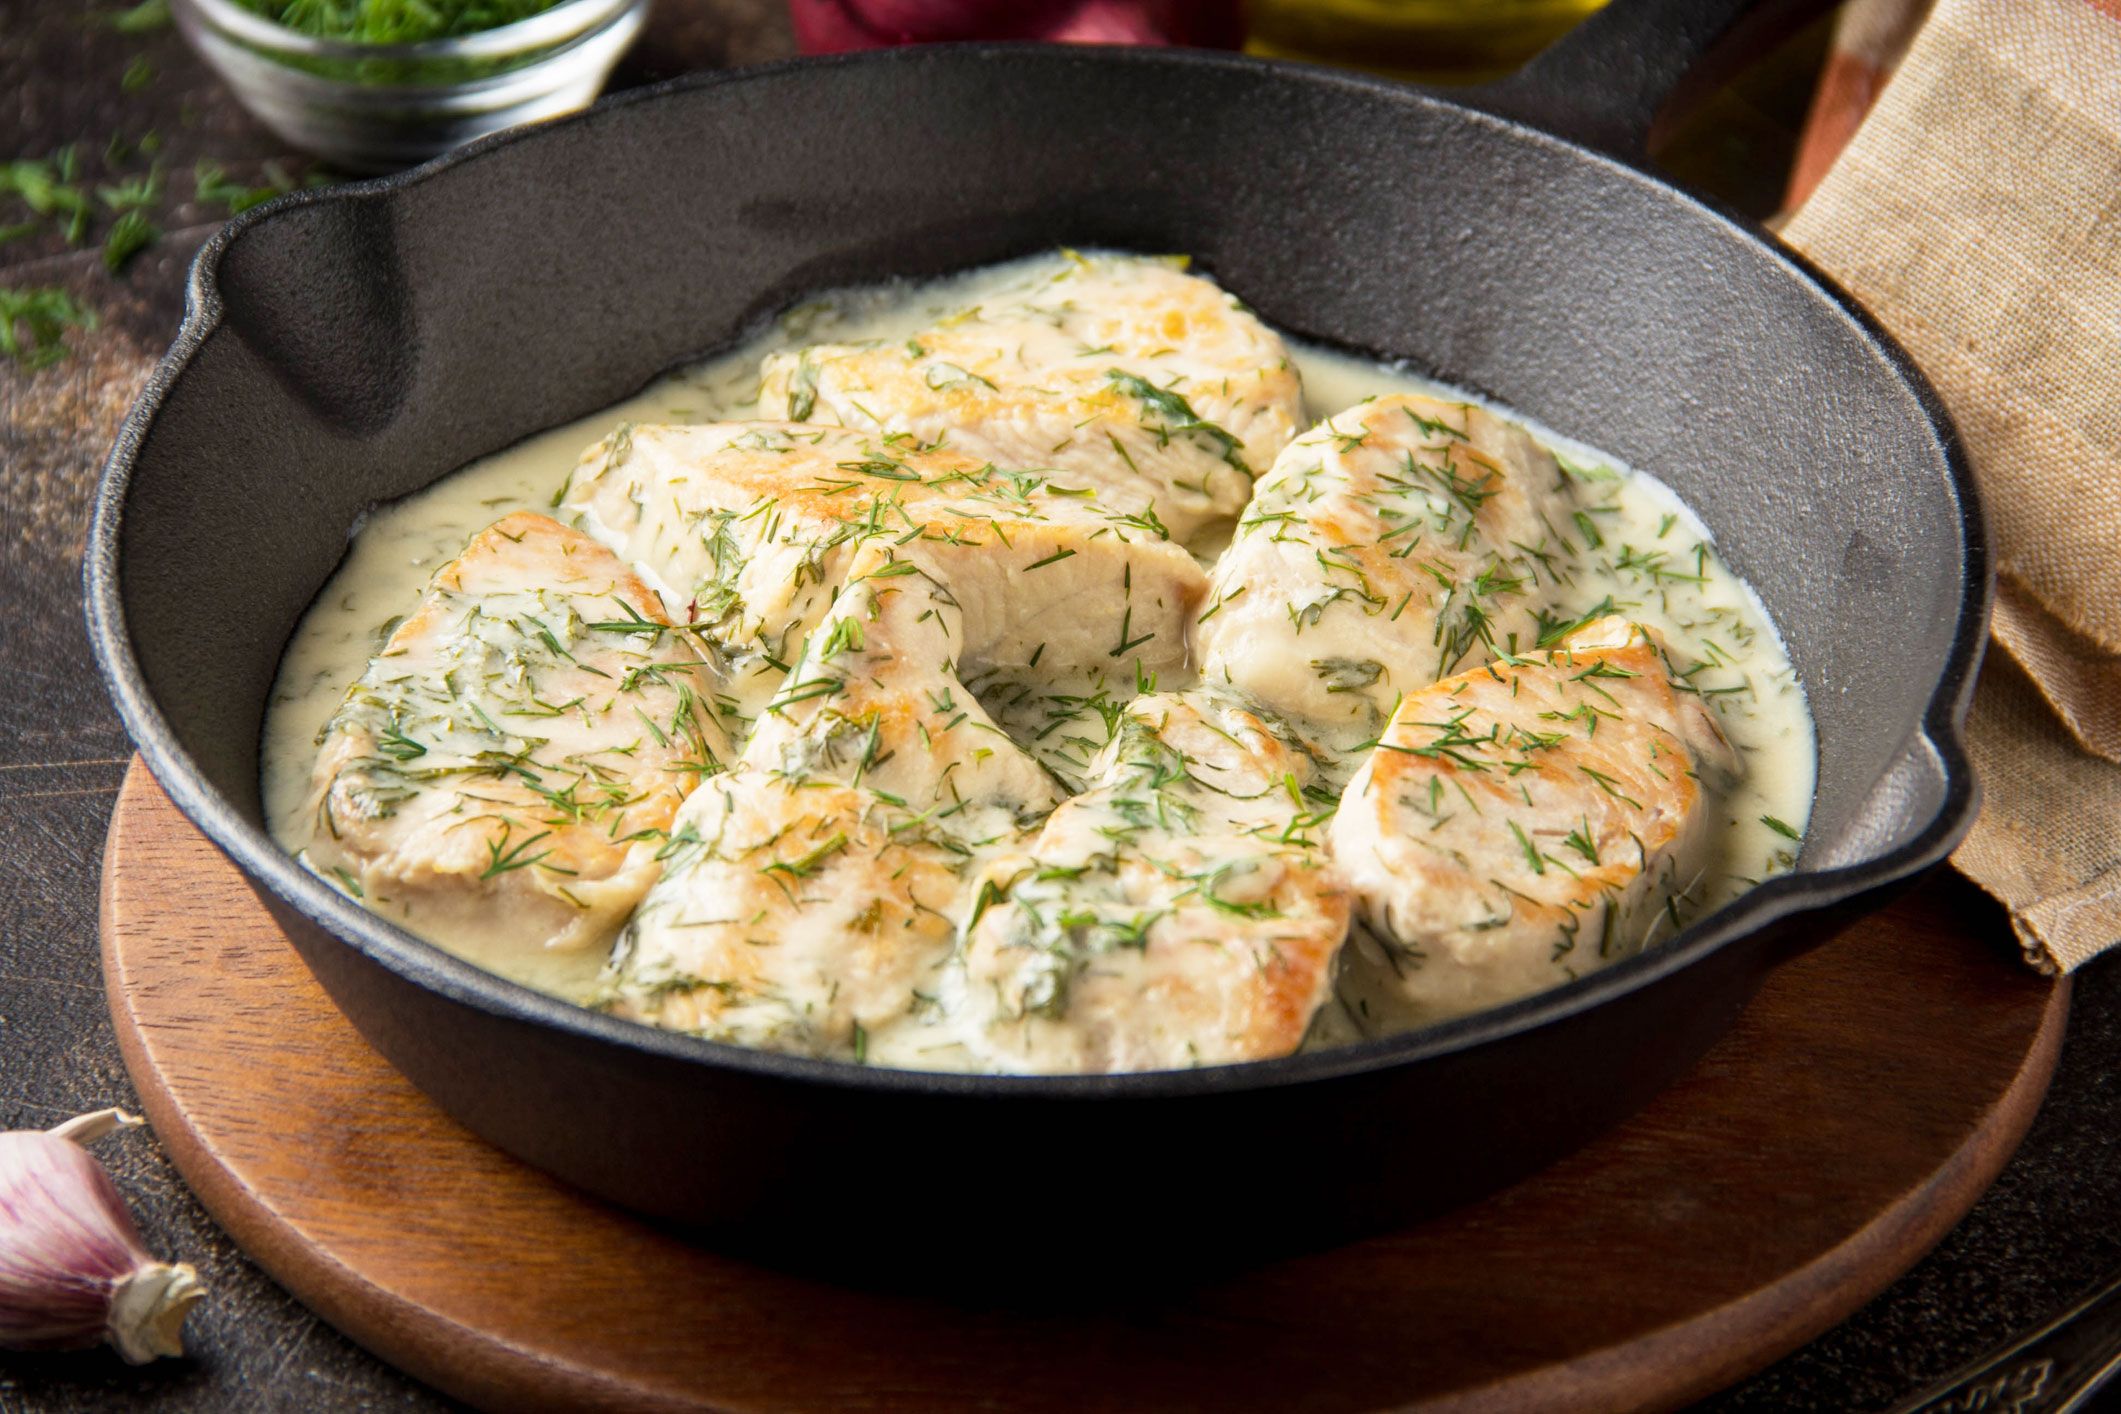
(373, 85)
(395, 21)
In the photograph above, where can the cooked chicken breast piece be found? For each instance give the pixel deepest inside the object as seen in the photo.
(1399, 541)
(875, 753)
(752, 530)
(506, 767)
(879, 697)
(875, 701)
(792, 915)
(1180, 912)
(1154, 388)
(1523, 824)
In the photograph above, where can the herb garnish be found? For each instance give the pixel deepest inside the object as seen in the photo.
(1174, 416)
(394, 21)
(34, 321)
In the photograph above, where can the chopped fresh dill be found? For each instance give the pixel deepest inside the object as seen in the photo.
(127, 237)
(1531, 852)
(34, 321)
(147, 17)
(394, 21)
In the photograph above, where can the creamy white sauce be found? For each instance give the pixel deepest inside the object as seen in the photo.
(1703, 611)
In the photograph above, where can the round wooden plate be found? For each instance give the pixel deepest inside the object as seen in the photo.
(1855, 1113)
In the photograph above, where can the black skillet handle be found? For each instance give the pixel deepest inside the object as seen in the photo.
(2056, 1369)
(1609, 81)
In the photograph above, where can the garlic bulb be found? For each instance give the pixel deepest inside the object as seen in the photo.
(72, 1270)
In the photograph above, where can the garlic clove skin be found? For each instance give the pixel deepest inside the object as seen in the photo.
(86, 1129)
(72, 1269)
(147, 1311)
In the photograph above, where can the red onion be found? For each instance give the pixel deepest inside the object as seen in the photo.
(72, 1269)
(833, 26)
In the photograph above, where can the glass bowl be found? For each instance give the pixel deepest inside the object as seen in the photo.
(378, 107)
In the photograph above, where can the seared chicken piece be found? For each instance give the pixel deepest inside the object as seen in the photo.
(1404, 539)
(1154, 388)
(879, 699)
(753, 528)
(507, 765)
(1523, 824)
(1178, 913)
(883, 774)
(793, 915)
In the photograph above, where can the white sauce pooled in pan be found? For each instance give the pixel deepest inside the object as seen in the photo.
(1640, 548)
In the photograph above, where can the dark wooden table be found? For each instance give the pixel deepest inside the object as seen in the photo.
(2048, 1232)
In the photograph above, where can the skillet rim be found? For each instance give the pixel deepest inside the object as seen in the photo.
(426, 965)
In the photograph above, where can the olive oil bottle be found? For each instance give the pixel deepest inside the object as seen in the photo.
(1429, 41)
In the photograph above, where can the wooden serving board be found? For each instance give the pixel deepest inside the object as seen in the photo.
(1855, 1113)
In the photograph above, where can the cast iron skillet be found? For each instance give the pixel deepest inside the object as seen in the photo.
(346, 348)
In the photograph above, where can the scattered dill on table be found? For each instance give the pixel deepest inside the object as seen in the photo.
(68, 195)
(147, 17)
(33, 323)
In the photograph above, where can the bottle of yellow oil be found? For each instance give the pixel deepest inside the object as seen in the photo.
(1429, 41)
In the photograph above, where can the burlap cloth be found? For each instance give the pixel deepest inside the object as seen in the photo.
(1977, 214)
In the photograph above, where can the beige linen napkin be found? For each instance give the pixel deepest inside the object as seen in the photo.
(1977, 214)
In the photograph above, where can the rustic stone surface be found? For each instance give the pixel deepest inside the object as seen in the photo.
(2049, 1230)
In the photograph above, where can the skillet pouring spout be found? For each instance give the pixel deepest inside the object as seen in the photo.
(534, 277)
